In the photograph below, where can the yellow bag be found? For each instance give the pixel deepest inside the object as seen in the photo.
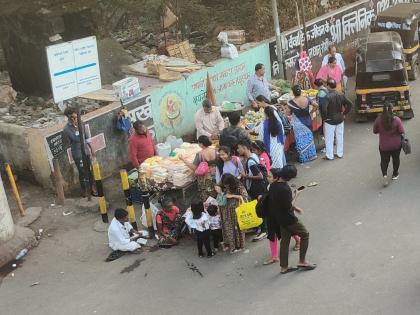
(247, 216)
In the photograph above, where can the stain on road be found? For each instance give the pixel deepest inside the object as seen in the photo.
(133, 266)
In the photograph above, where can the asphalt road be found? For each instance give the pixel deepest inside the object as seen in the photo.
(363, 237)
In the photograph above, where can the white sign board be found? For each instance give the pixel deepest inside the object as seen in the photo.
(74, 68)
(127, 90)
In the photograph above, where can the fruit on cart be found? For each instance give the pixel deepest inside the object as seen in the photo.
(254, 118)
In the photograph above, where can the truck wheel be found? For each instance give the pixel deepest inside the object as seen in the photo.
(413, 73)
(408, 114)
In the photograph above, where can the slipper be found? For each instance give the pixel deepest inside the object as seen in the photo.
(307, 267)
(327, 159)
(115, 255)
(290, 269)
(270, 262)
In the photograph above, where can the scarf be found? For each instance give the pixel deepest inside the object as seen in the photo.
(267, 135)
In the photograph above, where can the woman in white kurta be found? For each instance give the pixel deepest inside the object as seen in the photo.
(271, 132)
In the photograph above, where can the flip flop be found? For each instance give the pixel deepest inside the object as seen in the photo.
(270, 262)
(307, 267)
(290, 269)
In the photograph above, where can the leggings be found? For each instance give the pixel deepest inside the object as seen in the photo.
(274, 246)
(386, 157)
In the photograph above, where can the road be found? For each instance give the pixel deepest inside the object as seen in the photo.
(362, 236)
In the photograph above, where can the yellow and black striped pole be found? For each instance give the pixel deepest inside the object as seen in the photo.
(100, 188)
(15, 189)
(128, 200)
(149, 217)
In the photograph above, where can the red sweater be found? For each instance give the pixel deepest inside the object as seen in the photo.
(140, 148)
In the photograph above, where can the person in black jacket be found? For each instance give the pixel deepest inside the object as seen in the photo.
(333, 114)
(280, 209)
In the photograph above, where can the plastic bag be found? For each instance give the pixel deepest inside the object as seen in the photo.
(247, 216)
(143, 218)
(229, 51)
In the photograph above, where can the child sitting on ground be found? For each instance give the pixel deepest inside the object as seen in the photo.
(215, 225)
(198, 220)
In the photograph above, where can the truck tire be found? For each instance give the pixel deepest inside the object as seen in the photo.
(408, 114)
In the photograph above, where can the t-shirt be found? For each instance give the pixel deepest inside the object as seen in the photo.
(389, 140)
(265, 161)
(202, 224)
(255, 187)
(280, 204)
(215, 222)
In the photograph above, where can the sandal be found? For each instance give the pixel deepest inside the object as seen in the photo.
(270, 261)
(290, 269)
(307, 267)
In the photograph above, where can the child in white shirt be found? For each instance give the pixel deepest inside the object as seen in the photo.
(215, 225)
(198, 220)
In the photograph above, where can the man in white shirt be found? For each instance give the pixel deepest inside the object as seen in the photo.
(332, 52)
(121, 235)
(208, 121)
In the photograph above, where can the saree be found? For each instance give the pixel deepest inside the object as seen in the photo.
(304, 141)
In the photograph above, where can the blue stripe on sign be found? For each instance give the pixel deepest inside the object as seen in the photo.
(74, 69)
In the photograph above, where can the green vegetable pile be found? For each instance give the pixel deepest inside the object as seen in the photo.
(284, 85)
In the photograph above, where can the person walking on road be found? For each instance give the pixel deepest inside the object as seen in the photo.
(333, 114)
(281, 205)
(391, 133)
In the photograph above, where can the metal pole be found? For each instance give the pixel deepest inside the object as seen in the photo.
(304, 25)
(278, 39)
(85, 160)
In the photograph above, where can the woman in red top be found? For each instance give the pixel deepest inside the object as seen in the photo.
(391, 132)
(169, 223)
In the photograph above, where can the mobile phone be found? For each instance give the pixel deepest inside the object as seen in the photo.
(301, 188)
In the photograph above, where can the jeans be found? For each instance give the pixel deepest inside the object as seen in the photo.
(386, 157)
(286, 233)
(86, 180)
(203, 238)
(331, 132)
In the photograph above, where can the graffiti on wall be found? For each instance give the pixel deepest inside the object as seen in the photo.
(340, 27)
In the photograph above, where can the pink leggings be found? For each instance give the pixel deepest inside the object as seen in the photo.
(274, 246)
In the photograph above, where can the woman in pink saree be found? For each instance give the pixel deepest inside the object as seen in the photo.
(331, 71)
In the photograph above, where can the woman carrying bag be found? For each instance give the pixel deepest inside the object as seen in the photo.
(391, 134)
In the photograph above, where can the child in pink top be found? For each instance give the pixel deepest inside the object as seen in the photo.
(259, 149)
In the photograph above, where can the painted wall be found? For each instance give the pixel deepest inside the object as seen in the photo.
(174, 105)
(346, 27)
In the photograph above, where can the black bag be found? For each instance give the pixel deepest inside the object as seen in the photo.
(261, 206)
(406, 145)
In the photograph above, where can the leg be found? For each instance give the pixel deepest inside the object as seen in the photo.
(396, 162)
(274, 249)
(300, 230)
(199, 243)
(339, 133)
(329, 140)
(217, 238)
(284, 248)
(385, 157)
(206, 240)
(81, 171)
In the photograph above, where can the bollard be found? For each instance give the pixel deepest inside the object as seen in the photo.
(127, 194)
(149, 217)
(100, 188)
(15, 189)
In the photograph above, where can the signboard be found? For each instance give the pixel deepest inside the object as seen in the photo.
(141, 110)
(127, 90)
(74, 68)
(56, 144)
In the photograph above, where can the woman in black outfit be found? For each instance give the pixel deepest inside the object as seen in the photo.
(282, 219)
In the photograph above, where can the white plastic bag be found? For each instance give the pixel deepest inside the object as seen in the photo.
(229, 51)
(143, 218)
